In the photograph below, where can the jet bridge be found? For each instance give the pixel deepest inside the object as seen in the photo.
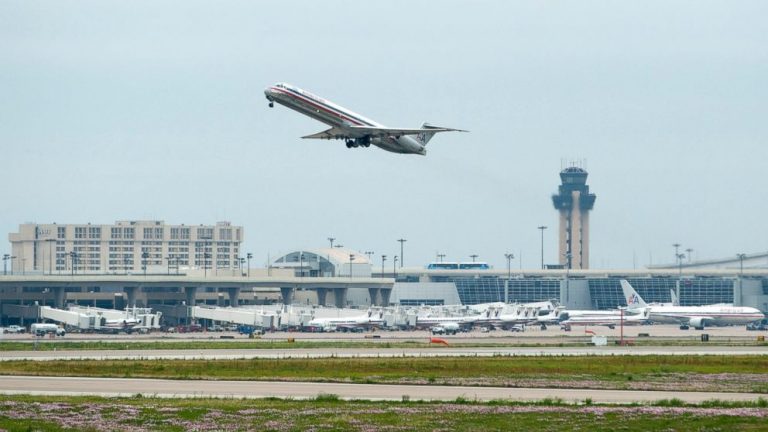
(242, 316)
(87, 318)
(70, 318)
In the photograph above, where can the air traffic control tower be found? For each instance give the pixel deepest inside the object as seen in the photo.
(574, 202)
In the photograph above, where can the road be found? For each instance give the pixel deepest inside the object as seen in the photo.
(109, 387)
(223, 354)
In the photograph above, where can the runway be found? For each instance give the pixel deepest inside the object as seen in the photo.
(113, 387)
(228, 354)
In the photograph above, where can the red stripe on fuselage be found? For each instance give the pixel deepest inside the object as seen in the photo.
(319, 106)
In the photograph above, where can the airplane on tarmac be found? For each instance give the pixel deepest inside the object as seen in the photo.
(354, 129)
(452, 323)
(695, 316)
(356, 323)
(610, 319)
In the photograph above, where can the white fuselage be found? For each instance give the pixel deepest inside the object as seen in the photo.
(718, 315)
(605, 318)
(349, 322)
(338, 117)
(424, 322)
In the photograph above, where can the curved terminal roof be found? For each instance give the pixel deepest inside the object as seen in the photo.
(337, 256)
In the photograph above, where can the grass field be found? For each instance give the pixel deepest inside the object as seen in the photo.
(326, 413)
(685, 373)
(117, 344)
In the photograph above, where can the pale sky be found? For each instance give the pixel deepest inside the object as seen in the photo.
(155, 110)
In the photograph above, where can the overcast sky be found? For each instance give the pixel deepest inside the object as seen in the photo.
(155, 110)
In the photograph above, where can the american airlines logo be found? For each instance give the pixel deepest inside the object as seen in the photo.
(633, 299)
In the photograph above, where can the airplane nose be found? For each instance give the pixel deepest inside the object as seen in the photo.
(268, 92)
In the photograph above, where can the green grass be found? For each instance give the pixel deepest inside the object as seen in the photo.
(164, 344)
(704, 373)
(430, 369)
(22, 413)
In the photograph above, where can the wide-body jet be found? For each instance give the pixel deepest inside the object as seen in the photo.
(354, 129)
(694, 316)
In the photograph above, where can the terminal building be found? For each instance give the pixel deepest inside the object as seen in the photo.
(581, 289)
(124, 247)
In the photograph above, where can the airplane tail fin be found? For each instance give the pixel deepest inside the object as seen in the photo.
(424, 137)
(675, 300)
(634, 301)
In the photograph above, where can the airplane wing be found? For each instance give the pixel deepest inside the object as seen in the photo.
(384, 131)
(332, 133)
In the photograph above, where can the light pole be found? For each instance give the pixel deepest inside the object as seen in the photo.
(206, 255)
(474, 256)
(169, 258)
(542, 228)
(394, 268)
(383, 259)
(73, 260)
(301, 264)
(680, 257)
(509, 258)
(370, 254)
(677, 250)
(402, 257)
(331, 239)
(144, 256)
(242, 263)
(249, 256)
(741, 257)
(440, 257)
(50, 254)
(690, 255)
(351, 260)
(6, 257)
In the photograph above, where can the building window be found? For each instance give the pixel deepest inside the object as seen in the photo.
(94, 232)
(129, 233)
(148, 233)
(205, 233)
(175, 233)
(61, 232)
(79, 232)
(158, 233)
(117, 233)
(225, 234)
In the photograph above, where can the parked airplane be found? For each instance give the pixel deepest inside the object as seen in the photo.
(446, 322)
(610, 319)
(371, 319)
(353, 128)
(696, 316)
(446, 328)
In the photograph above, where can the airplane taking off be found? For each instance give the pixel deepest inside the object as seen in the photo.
(695, 316)
(353, 128)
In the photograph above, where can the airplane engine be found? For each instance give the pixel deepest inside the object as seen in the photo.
(697, 323)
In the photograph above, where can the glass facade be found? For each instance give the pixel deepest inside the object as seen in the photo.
(605, 293)
(703, 291)
(491, 289)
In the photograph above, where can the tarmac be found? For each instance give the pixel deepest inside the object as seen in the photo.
(122, 387)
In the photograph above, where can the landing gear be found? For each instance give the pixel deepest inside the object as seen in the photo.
(271, 104)
(359, 142)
